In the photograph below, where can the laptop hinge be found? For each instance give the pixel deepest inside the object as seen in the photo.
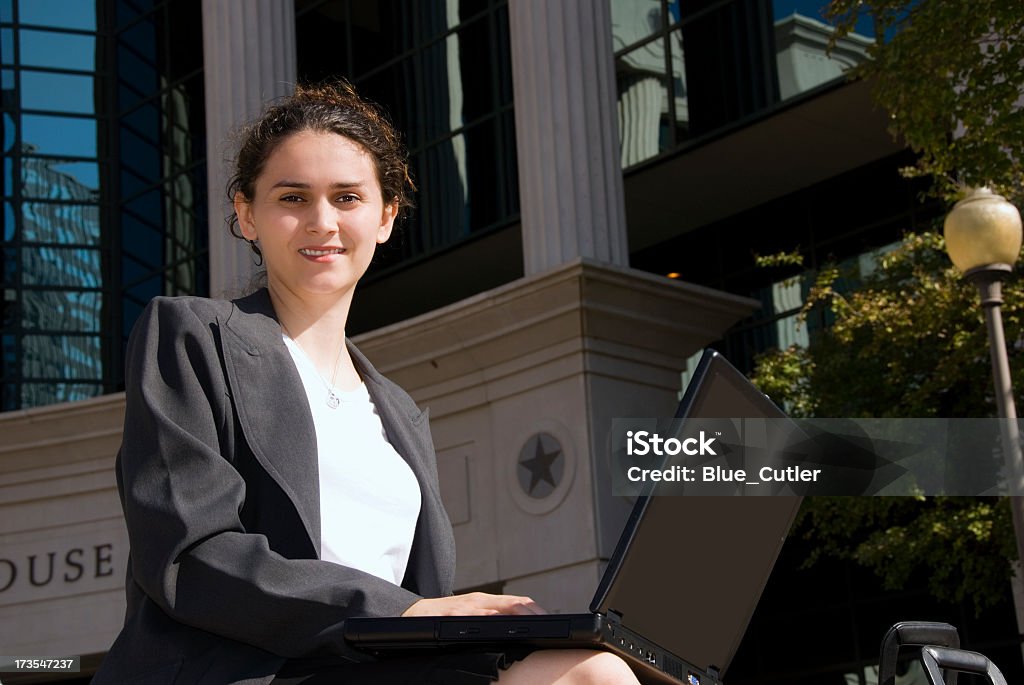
(714, 673)
(615, 617)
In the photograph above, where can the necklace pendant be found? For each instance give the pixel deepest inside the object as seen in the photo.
(333, 400)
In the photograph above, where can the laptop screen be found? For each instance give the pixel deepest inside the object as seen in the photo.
(688, 570)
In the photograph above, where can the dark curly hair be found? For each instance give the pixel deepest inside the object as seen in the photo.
(333, 107)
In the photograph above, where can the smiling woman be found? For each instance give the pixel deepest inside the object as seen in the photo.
(317, 213)
(259, 442)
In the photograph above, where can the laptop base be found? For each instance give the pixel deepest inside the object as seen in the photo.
(652, 664)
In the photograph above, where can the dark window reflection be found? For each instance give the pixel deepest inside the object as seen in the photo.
(48, 179)
(140, 38)
(804, 58)
(644, 113)
(9, 270)
(391, 85)
(9, 368)
(10, 225)
(60, 223)
(730, 65)
(380, 31)
(50, 310)
(80, 261)
(635, 20)
(322, 32)
(137, 78)
(8, 313)
(503, 51)
(69, 267)
(85, 174)
(442, 70)
(38, 394)
(58, 357)
(508, 180)
(687, 69)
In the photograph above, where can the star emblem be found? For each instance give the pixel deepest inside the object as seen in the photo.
(543, 467)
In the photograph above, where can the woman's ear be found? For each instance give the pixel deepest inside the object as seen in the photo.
(387, 221)
(246, 224)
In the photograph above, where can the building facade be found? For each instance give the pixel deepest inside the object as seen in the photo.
(595, 179)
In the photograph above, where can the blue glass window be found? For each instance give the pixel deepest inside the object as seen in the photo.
(10, 227)
(10, 132)
(84, 174)
(71, 290)
(57, 92)
(65, 14)
(7, 46)
(71, 51)
(48, 179)
(61, 356)
(60, 223)
(63, 136)
(62, 310)
(60, 266)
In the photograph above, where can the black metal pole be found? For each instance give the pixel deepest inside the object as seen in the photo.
(989, 282)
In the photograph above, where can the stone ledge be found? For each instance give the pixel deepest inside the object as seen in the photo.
(65, 433)
(583, 305)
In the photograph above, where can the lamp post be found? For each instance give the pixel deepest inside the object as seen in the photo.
(983, 238)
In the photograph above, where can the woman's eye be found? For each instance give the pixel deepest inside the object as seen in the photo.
(348, 198)
(291, 198)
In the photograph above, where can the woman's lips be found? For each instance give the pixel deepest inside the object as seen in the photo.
(321, 254)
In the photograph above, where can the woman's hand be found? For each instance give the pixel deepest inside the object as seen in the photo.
(474, 604)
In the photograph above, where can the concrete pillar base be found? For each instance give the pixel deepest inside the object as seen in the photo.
(63, 542)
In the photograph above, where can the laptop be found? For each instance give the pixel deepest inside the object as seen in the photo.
(679, 589)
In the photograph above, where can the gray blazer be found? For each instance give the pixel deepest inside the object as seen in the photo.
(218, 480)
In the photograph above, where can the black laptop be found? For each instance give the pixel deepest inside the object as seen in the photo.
(680, 588)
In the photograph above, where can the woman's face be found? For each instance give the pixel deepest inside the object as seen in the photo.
(317, 213)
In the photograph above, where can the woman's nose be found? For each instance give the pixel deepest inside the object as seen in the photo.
(323, 217)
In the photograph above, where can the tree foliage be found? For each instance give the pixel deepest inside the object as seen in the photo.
(956, 547)
(906, 338)
(949, 75)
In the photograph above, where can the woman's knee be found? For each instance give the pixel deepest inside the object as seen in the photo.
(570, 667)
(605, 668)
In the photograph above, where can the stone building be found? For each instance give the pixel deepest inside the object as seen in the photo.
(594, 178)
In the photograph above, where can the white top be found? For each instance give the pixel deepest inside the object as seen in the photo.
(369, 497)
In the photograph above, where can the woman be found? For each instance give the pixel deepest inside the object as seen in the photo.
(259, 444)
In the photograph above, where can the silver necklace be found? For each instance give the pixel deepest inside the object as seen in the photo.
(332, 397)
(333, 400)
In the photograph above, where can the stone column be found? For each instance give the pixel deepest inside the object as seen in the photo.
(567, 141)
(248, 58)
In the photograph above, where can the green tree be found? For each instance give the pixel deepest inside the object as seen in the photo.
(906, 339)
(909, 340)
(949, 75)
